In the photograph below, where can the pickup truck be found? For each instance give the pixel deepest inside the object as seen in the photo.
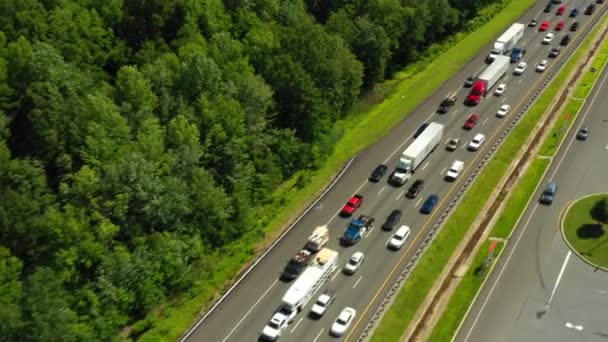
(351, 206)
(357, 230)
(295, 266)
(454, 170)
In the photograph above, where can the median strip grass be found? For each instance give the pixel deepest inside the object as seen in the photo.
(413, 293)
(465, 294)
(370, 120)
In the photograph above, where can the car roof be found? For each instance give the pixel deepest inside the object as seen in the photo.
(402, 230)
(418, 181)
(357, 255)
(395, 212)
(479, 135)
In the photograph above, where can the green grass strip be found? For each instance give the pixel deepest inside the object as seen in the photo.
(413, 293)
(368, 122)
(586, 233)
(464, 294)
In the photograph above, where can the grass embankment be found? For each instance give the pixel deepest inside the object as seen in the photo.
(463, 296)
(371, 119)
(586, 228)
(431, 264)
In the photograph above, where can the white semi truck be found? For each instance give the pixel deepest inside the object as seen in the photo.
(413, 156)
(488, 79)
(507, 41)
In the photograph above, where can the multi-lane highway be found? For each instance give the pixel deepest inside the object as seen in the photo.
(540, 291)
(242, 315)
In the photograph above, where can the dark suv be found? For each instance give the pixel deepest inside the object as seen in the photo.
(378, 172)
(391, 221)
(415, 189)
(590, 9)
(565, 40)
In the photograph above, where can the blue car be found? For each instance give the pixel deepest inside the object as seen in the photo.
(429, 204)
(573, 13)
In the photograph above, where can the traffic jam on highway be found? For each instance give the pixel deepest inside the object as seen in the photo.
(315, 264)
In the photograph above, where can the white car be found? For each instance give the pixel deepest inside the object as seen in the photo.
(343, 322)
(548, 38)
(475, 144)
(324, 301)
(503, 110)
(500, 89)
(275, 327)
(354, 263)
(402, 234)
(520, 68)
(542, 65)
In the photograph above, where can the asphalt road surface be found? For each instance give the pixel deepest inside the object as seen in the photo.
(540, 291)
(243, 314)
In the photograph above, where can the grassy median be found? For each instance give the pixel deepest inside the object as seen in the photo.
(372, 118)
(516, 204)
(409, 299)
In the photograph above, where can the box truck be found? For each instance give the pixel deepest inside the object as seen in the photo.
(413, 156)
(507, 41)
(488, 79)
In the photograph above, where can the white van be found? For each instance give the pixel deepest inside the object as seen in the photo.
(402, 234)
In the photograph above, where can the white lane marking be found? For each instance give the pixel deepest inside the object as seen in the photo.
(464, 146)
(440, 173)
(387, 241)
(559, 278)
(425, 165)
(484, 121)
(559, 162)
(318, 335)
(535, 46)
(503, 100)
(370, 231)
(357, 283)
(251, 309)
(478, 70)
(335, 275)
(339, 209)
(607, 146)
(448, 140)
(401, 194)
(455, 111)
(379, 192)
(418, 202)
(520, 80)
(573, 326)
(295, 326)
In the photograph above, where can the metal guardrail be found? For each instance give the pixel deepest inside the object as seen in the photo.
(461, 192)
(243, 275)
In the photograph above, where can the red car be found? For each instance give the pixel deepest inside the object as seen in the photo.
(544, 26)
(561, 10)
(560, 26)
(471, 121)
(353, 204)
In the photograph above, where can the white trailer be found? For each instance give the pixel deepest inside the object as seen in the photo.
(413, 156)
(318, 239)
(507, 41)
(310, 281)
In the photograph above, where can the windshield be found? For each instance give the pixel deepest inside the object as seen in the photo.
(341, 321)
(273, 325)
(398, 237)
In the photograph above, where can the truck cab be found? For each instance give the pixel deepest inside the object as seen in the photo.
(447, 102)
(492, 56)
(401, 175)
(356, 230)
(517, 54)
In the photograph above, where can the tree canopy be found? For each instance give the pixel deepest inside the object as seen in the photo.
(139, 137)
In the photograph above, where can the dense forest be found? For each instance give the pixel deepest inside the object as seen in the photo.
(137, 137)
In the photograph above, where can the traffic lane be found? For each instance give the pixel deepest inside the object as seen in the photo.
(575, 178)
(306, 232)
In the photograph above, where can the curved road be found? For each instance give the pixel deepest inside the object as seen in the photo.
(540, 291)
(243, 314)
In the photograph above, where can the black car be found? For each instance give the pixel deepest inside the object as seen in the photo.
(391, 221)
(590, 9)
(420, 129)
(429, 204)
(565, 40)
(469, 82)
(574, 26)
(548, 8)
(378, 173)
(599, 1)
(415, 189)
(532, 23)
(555, 52)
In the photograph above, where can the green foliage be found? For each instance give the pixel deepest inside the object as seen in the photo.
(141, 140)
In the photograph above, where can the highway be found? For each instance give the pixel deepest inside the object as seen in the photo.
(540, 291)
(243, 314)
